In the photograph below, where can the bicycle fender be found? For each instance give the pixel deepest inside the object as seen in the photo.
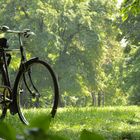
(32, 59)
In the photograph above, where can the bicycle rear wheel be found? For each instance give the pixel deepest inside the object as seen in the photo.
(36, 90)
(3, 108)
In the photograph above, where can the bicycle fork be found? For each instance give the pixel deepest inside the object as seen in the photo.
(32, 90)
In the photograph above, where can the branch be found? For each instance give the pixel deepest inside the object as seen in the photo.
(25, 13)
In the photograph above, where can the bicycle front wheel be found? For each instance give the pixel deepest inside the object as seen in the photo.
(36, 90)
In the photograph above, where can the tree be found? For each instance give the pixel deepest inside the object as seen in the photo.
(77, 37)
(130, 33)
(130, 7)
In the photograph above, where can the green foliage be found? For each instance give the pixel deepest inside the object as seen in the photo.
(130, 7)
(7, 132)
(129, 26)
(39, 129)
(113, 123)
(42, 122)
(78, 38)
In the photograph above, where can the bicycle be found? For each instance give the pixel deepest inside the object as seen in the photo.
(35, 85)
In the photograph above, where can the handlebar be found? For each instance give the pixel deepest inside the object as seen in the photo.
(26, 32)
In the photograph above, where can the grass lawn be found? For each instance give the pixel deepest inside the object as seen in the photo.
(113, 123)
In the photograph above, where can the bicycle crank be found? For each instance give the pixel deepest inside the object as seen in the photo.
(5, 93)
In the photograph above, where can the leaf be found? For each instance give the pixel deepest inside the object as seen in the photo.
(7, 132)
(35, 134)
(41, 122)
(125, 17)
(55, 137)
(86, 135)
(39, 129)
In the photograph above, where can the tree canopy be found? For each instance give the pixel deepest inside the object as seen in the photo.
(81, 39)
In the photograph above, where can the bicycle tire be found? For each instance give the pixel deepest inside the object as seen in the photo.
(3, 108)
(24, 87)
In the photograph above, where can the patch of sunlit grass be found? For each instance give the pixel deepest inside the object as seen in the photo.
(112, 122)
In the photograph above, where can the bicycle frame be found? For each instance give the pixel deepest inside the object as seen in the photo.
(5, 75)
(26, 81)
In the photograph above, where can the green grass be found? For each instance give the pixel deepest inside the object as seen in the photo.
(114, 123)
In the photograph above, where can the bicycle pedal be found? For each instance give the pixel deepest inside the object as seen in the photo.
(5, 93)
(6, 102)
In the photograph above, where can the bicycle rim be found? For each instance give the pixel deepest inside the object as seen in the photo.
(37, 91)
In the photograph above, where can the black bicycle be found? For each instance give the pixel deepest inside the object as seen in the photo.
(35, 86)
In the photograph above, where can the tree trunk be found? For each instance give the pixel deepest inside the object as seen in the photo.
(103, 99)
(93, 95)
(61, 103)
(99, 98)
